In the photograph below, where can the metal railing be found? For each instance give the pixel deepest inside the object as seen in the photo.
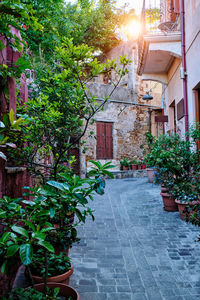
(158, 17)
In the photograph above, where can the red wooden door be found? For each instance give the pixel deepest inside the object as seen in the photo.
(108, 141)
(104, 141)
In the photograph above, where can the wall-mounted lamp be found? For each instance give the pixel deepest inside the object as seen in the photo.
(147, 97)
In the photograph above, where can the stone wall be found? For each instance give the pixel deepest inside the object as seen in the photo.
(131, 116)
(129, 125)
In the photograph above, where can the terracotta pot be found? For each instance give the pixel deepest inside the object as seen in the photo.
(125, 168)
(143, 166)
(182, 205)
(169, 202)
(151, 175)
(134, 167)
(65, 290)
(139, 167)
(63, 278)
(164, 189)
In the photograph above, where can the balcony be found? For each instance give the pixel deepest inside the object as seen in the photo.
(160, 43)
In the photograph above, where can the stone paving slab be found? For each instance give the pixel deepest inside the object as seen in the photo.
(135, 250)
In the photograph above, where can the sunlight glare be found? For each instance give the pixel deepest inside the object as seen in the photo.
(132, 29)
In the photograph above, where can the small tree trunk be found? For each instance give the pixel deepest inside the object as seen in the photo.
(46, 273)
(30, 276)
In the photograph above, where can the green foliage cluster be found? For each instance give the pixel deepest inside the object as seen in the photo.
(57, 117)
(32, 294)
(125, 162)
(88, 21)
(28, 226)
(57, 264)
(9, 132)
(177, 161)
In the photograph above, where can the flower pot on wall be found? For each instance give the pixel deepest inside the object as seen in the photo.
(125, 168)
(169, 202)
(151, 175)
(139, 167)
(134, 167)
(65, 290)
(143, 166)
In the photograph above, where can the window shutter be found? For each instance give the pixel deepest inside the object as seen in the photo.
(180, 110)
(176, 6)
(100, 140)
(109, 140)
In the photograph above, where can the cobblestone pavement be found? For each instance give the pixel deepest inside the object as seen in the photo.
(135, 250)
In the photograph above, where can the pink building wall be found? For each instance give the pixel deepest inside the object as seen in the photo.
(12, 179)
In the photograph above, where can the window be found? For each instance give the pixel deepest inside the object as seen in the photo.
(172, 111)
(180, 110)
(104, 140)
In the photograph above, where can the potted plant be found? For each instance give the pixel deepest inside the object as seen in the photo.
(31, 235)
(59, 267)
(54, 291)
(125, 164)
(26, 241)
(139, 164)
(142, 163)
(150, 164)
(133, 164)
(186, 193)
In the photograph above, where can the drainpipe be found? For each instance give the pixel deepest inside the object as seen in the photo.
(185, 89)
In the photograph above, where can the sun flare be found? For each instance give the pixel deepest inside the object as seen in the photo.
(132, 29)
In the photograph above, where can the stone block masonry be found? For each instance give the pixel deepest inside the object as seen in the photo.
(134, 250)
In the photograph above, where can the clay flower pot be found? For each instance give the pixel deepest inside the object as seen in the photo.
(133, 167)
(125, 168)
(63, 278)
(169, 202)
(139, 167)
(65, 290)
(151, 175)
(164, 189)
(143, 166)
(182, 205)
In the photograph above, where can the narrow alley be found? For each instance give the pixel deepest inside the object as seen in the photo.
(135, 250)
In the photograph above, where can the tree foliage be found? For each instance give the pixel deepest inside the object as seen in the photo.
(58, 117)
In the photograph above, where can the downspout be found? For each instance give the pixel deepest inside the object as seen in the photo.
(185, 88)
